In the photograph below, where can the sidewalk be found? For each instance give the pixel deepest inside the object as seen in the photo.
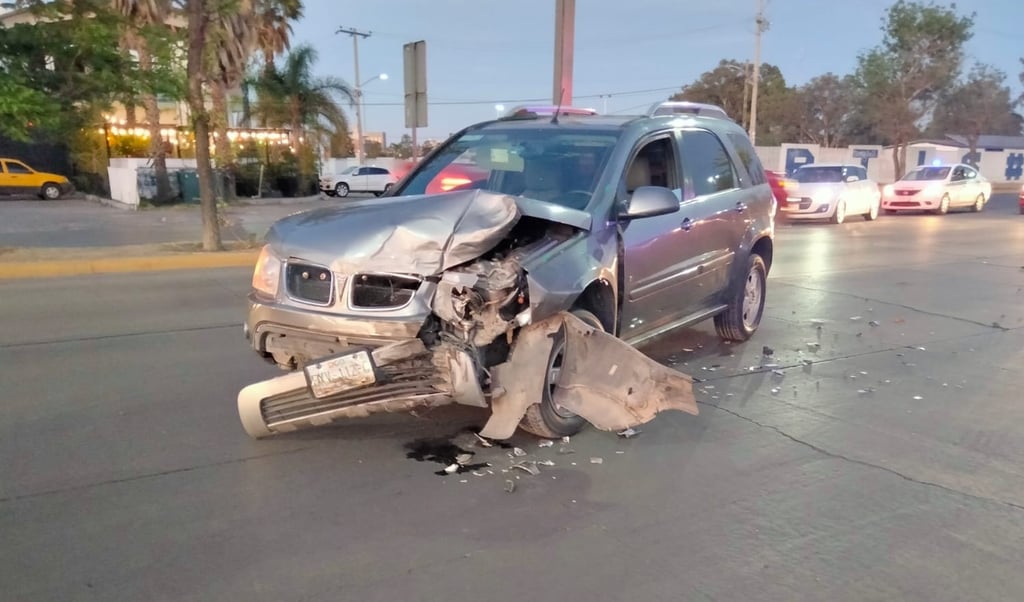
(40, 239)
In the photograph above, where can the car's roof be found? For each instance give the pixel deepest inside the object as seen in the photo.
(623, 123)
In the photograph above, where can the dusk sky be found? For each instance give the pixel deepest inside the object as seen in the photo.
(481, 53)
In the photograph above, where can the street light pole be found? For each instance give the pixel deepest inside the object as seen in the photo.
(762, 26)
(360, 151)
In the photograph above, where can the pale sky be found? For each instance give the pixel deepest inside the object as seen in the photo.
(482, 52)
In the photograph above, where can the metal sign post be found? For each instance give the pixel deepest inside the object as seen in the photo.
(414, 56)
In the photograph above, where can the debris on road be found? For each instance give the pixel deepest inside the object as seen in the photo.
(855, 318)
(518, 452)
(918, 398)
(528, 467)
(483, 441)
(767, 351)
(545, 462)
(463, 458)
(510, 486)
(546, 443)
(597, 460)
(629, 433)
(565, 451)
(874, 323)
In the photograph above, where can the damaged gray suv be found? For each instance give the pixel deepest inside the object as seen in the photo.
(517, 268)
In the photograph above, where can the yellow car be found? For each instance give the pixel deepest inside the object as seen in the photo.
(18, 178)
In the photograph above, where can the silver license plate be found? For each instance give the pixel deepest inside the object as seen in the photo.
(341, 373)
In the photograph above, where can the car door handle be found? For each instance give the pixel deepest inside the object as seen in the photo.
(741, 207)
(686, 225)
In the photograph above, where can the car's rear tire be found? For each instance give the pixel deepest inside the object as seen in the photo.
(50, 191)
(341, 189)
(979, 204)
(943, 206)
(545, 419)
(741, 319)
(839, 215)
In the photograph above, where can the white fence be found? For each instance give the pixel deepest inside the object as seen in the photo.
(998, 166)
(131, 180)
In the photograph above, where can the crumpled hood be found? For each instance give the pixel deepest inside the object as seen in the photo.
(424, 234)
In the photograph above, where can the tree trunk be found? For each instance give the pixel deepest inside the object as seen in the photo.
(903, 158)
(131, 120)
(198, 20)
(157, 150)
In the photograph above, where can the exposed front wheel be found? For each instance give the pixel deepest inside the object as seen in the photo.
(743, 316)
(50, 192)
(979, 204)
(546, 418)
(943, 206)
(872, 214)
(840, 214)
(341, 189)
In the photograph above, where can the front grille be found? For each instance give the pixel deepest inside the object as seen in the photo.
(309, 283)
(906, 192)
(399, 381)
(382, 291)
(904, 204)
(805, 204)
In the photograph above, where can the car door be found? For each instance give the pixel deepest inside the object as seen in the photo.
(715, 201)
(957, 187)
(379, 179)
(858, 190)
(972, 186)
(20, 179)
(359, 180)
(656, 268)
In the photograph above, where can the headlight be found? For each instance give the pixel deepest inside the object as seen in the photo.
(888, 190)
(267, 275)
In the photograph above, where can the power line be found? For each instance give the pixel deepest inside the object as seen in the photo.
(544, 99)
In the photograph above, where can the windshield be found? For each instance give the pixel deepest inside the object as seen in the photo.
(810, 175)
(547, 164)
(927, 173)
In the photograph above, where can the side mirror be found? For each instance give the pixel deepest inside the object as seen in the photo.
(650, 201)
(852, 179)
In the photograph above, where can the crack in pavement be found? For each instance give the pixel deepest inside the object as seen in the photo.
(864, 463)
(104, 337)
(152, 475)
(993, 325)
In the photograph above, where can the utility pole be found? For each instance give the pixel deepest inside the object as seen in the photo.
(762, 26)
(565, 34)
(360, 152)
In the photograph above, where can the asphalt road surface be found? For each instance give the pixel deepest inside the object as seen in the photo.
(883, 462)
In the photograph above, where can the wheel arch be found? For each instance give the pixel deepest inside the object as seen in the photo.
(599, 299)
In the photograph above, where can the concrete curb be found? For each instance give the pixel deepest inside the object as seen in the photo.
(21, 270)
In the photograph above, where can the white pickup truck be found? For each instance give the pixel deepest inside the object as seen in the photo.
(358, 178)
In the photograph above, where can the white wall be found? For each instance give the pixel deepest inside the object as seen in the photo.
(993, 164)
(124, 185)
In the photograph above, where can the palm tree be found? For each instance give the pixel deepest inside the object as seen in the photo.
(293, 97)
(141, 14)
(219, 45)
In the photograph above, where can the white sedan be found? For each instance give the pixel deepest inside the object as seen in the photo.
(358, 179)
(938, 188)
(831, 192)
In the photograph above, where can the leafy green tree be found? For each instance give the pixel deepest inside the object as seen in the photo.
(900, 81)
(980, 104)
(823, 106)
(59, 74)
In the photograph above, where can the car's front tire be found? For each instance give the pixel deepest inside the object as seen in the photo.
(50, 191)
(979, 204)
(546, 419)
(839, 216)
(341, 189)
(741, 319)
(943, 205)
(872, 213)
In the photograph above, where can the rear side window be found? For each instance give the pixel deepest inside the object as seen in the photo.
(378, 171)
(706, 165)
(748, 156)
(13, 167)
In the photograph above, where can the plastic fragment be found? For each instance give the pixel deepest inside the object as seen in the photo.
(565, 451)
(510, 486)
(855, 318)
(775, 390)
(546, 443)
(483, 441)
(463, 458)
(767, 351)
(528, 467)
(546, 462)
(874, 323)
(565, 439)
(918, 398)
(629, 433)
(518, 452)
(450, 469)
(597, 460)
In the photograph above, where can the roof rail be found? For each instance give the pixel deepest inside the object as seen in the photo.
(531, 111)
(681, 107)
